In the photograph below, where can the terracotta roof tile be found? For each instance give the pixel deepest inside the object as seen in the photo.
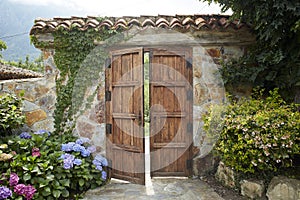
(178, 21)
(10, 72)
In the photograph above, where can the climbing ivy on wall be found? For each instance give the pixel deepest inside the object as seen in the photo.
(79, 61)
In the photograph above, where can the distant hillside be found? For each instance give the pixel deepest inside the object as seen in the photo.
(16, 21)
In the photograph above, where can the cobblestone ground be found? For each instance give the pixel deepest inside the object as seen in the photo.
(166, 189)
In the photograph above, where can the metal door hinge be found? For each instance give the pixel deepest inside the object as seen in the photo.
(189, 63)
(109, 161)
(108, 63)
(107, 95)
(108, 129)
(189, 94)
(189, 164)
(189, 128)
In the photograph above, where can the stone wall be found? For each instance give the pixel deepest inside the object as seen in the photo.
(39, 98)
(280, 187)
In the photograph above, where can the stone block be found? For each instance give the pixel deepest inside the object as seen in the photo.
(35, 116)
(226, 175)
(29, 106)
(204, 164)
(99, 138)
(252, 189)
(85, 127)
(47, 124)
(283, 188)
(41, 90)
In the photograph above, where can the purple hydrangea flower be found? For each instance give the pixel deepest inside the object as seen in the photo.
(29, 191)
(25, 135)
(5, 192)
(36, 152)
(69, 156)
(99, 167)
(85, 153)
(68, 160)
(83, 140)
(78, 148)
(91, 149)
(68, 164)
(22, 189)
(19, 189)
(40, 132)
(13, 179)
(103, 175)
(96, 162)
(77, 162)
(102, 160)
(67, 147)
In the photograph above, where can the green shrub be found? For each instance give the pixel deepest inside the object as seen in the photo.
(259, 134)
(40, 159)
(10, 113)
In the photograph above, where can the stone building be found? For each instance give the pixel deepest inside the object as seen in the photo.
(211, 39)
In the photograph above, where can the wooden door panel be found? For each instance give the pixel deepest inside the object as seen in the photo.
(171, 112)
(124, 113)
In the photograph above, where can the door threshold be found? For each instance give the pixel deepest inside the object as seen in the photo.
(170, 177)
(114, 180)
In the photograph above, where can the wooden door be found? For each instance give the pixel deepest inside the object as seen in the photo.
(171, 112)
(124, 115)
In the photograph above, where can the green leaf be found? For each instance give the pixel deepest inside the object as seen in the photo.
(56, 193)
(81, 182)
(65, 182)
(65, 193)
(26, 177)
(50, 177)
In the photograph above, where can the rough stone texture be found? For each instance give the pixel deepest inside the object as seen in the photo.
(47, 124)
(283, 188)
(28, 106)
(167, 189)
(226, 175)
(35, 116)
(203, 165)
(252, 189)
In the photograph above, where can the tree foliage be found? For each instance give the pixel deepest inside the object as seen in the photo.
(275, 59)
(2, 46)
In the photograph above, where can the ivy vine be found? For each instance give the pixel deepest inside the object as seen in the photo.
(79, 61)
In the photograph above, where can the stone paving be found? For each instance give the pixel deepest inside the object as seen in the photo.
(166, 189)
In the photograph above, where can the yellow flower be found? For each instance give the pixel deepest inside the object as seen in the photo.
(3, 146)
(5, 156)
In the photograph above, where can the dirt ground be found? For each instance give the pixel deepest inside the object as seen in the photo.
(224, 192)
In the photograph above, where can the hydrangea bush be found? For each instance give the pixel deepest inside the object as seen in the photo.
(259, 134)
(45, 166)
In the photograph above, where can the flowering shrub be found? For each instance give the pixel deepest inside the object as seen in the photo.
(10, 113)
(20, 190)
(49, 166)
(259, 134)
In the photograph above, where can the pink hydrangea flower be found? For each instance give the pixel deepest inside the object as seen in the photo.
(36, 152)
(13, 179)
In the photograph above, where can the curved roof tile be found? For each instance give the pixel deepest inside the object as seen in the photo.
(178, 21)
(9, 72)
